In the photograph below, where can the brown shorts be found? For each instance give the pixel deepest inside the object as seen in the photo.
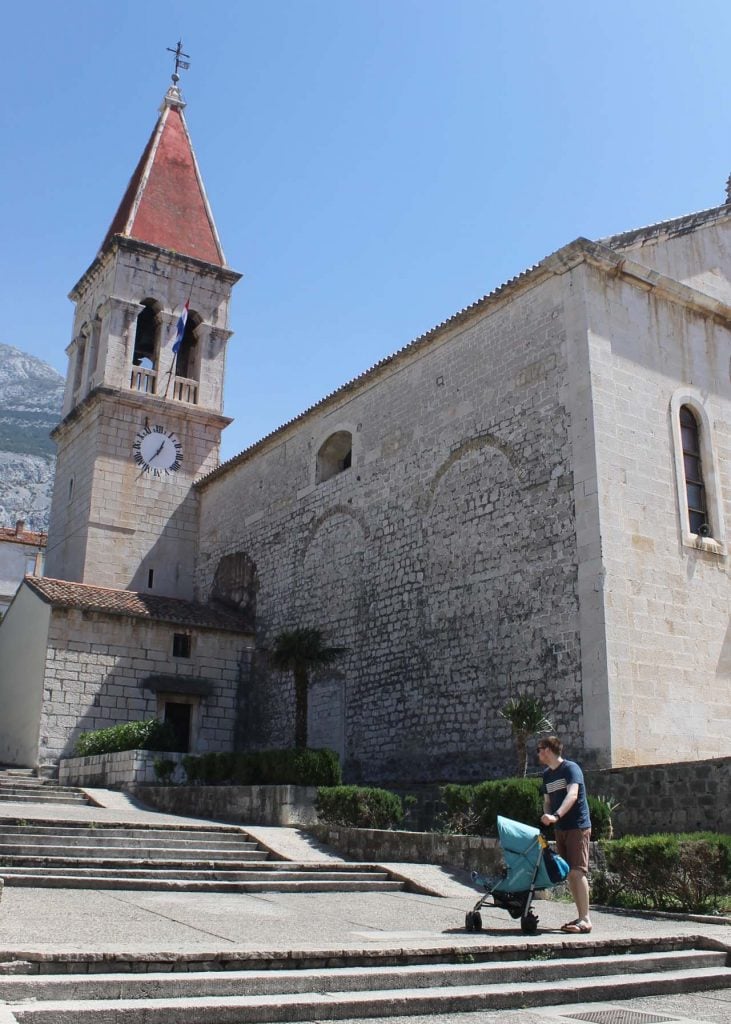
(573, 845)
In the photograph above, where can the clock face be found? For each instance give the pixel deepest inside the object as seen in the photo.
(157, 451)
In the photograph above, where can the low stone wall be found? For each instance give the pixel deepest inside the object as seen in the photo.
(120, 770)
(134, 772)
(688, 796)
(466, 853)
(244, 805)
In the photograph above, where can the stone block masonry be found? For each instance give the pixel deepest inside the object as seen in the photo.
(443, 558)
(95, 674)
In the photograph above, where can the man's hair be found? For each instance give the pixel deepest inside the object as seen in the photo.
(553, 743)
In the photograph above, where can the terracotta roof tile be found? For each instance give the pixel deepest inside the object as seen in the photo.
(165, 203)
(64, 594)
(36, 540)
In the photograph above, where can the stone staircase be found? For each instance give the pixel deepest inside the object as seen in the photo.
(178, 858)
(22, 785)
(218, 988)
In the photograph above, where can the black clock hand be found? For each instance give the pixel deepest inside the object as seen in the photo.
(153, 457)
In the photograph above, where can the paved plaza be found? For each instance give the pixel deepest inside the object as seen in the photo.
(63, 921)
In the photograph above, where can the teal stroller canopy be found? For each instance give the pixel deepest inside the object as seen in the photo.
(523, 854)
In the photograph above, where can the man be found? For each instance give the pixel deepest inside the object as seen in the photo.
(566, 808)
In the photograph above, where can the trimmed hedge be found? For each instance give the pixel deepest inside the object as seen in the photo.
(686, 872)
(292, 767)
(473, 809)
(150, 735)
(359, 807)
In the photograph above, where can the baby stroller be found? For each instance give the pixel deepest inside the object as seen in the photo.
(528, 860)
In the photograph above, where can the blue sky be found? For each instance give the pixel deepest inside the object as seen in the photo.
(373, 165)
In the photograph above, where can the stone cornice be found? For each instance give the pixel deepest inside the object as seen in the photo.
(146, 404)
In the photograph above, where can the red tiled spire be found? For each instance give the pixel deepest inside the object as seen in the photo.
(165, 203)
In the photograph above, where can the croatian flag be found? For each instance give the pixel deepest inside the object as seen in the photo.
(180, 329)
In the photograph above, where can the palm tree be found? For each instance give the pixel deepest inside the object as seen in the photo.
(526, 718)
(301, 651)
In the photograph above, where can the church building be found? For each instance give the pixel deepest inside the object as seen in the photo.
(531, 498)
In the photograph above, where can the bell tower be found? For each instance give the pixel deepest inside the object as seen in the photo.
(143, 407)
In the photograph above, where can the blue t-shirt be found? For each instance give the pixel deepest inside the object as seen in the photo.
(555, 783)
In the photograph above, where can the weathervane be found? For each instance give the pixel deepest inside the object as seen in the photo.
(182, 60)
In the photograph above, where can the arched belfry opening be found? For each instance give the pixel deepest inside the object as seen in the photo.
(145, 353)
(188, 358)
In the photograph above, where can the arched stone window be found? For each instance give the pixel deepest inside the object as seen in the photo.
(693, 472)
(700, 507)
(145, 350)
(335, 455)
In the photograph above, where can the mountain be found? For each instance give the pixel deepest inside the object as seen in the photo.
(31, 396)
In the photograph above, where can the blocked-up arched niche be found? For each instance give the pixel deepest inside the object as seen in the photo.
(236, 583)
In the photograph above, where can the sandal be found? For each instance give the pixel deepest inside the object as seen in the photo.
(576, 928)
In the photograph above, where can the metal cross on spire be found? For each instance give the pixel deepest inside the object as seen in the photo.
(182, 60)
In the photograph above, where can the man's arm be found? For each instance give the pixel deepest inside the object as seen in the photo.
(550, 817)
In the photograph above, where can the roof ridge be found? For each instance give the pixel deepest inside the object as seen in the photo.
(711, 213)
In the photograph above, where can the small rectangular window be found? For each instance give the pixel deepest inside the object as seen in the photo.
(181, 645)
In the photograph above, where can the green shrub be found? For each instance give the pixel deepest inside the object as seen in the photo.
(149, 735)
(601, 817)
(291, 767)
(459, 816)
(473, 810)
(359, 807)
(164, 770)
(192, 768)
(687, 872)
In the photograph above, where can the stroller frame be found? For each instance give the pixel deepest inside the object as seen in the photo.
(518, 903)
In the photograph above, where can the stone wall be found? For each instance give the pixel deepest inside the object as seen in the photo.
(443, 558)
(466, 853)
(95, 672)
(689, 796)
(124, 769)
(244, 805)
(666, 592)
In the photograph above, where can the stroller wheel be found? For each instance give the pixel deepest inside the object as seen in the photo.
(468, 921)
(477, 921)
(529, 923)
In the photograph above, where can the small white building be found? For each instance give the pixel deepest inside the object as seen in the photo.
(22, 553)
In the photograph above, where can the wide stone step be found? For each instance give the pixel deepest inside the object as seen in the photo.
(93, 838)
(265, 872)
(33, 785)
(153, 863)
(8, 851)
(256, 867)
(317, 998)
(101, 830)
(43, 798)
(315, 884)
(353, 979)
